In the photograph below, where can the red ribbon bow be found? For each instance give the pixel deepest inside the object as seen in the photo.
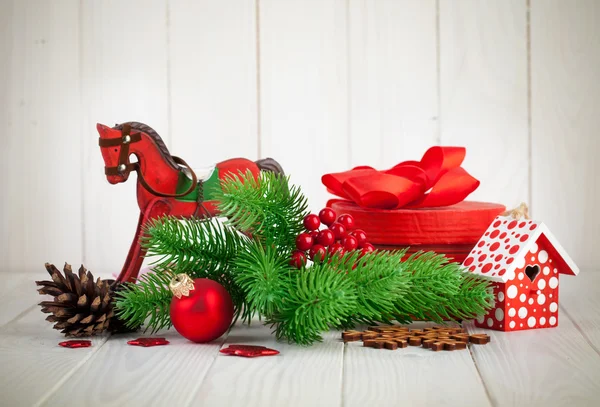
(436, 180)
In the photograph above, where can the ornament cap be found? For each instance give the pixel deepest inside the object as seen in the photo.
(181, 285)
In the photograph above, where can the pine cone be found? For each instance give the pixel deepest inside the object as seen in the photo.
(80, 307)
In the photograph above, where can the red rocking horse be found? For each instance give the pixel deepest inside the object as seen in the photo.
(166, 184)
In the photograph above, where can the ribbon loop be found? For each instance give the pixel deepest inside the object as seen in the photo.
(437, 180)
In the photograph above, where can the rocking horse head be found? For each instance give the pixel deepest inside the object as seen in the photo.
(115, 145)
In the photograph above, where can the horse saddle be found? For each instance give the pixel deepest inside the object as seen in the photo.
(206, 189)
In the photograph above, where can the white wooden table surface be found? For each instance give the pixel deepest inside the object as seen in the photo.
(549, 367)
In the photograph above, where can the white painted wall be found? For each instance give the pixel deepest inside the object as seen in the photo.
(319, 85)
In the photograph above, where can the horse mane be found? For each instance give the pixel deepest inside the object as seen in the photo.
(266, 164)
(162, 147)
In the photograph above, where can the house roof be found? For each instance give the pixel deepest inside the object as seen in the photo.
(504, 245)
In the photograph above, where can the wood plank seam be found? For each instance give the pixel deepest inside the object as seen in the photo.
(67, 376)
(342, 374)
(581, 331)
(485, 387)
(348, 83)
(20, 315)
(438, 71)
(529, 109)
(168, 73)
(194, 391)
(258, 92)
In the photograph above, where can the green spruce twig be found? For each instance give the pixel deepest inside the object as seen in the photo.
(147, 301)
(201, 248)
(267, 208)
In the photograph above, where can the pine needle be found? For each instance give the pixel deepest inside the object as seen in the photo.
(267, 207)
(148, 302)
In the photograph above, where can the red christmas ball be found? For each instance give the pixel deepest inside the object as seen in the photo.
(350, 243)
(327, 216)
(326, 237)
(312, 222)
(304, 241)
(298, 259)
(338, 230)
(205, 313)
(347, 221)
(317, 252)
(361, 236)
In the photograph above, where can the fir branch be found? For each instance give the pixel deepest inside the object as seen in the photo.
(201, 248)
(263, 275)
(267, 207)
(149, 299)
(379, 280)
(318, 299)
(440, 290)
(382, 289)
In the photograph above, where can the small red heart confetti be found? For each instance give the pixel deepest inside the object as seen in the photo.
(73, 344)
(249, 351)
(148, 342)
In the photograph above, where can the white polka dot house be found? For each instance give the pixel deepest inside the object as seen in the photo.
(524, 261)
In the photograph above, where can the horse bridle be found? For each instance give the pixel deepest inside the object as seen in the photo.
(123, 168)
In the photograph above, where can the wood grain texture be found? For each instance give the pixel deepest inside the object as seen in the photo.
(393, 95)
(6, 48)
(542, 367)
(131, 375)
(304, 90)
(40, 120)
(213, 80)
(565, 61)
(483, 93)
(124, 57)
(19, 294)
(298, 376)
(33, 365)
(412, 376)
(580, 300)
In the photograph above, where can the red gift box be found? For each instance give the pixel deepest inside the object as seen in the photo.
(416, 204)
(452, 230)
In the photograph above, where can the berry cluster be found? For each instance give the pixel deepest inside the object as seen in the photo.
(339, 237)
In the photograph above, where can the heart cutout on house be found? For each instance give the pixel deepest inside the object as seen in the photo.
(532, 272)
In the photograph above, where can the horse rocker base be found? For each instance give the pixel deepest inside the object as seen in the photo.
(166, 184)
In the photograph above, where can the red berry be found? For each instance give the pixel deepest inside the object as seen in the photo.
(317, 252)
(338, 230)
(368, 248)
(336, 248)
(298, 259)
(361, 236)
(315, 235)
(304, 241)
(312, 222)
(327, 216)
(347, 221)
(350, 243)
(326, 237)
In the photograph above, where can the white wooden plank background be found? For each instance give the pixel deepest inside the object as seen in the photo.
(393, 89)
(565, 61)
(41, 185)
(320, 86)
(124, 78)
(304, 89)
(212, 77)
(483, 93)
